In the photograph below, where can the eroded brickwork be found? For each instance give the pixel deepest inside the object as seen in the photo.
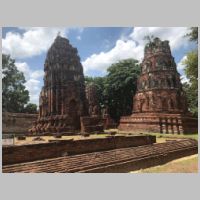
(93, 101)
(160, 102)
(62, 99)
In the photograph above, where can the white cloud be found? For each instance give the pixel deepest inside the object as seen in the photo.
(33, 82)
(37, 74)
(184, 79)
(132, 46)
(180, 65)
(78, 37)
(181, 68)
(34, 41)
(28, 73)
(34, 87)
(174, 34)
(122, 50)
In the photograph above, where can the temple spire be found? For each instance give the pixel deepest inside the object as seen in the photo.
(58, 34)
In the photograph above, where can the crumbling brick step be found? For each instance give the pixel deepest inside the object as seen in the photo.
(110, 161)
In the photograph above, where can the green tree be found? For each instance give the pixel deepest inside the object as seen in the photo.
(191, 68)
(149, 38)
(191, 71)
(30, 108)
(193, 34)
(191, 99)
(100, 84)
(14, 94)
(120, 86)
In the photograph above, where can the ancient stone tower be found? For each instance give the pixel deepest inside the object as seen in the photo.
(63, 106)
(93, 101)
(160, 103)
(62, 100)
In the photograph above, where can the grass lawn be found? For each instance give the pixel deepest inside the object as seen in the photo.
(187, 164)
(159, 135)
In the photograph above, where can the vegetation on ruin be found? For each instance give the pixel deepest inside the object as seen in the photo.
(15, 97)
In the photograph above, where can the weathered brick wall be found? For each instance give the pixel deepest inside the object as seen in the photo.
(159, 123)
(25, 153)
(92, 124)
(17, 122)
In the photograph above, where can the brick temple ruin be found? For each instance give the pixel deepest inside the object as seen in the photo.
(63, 106)
(93, 101)
(159, 104)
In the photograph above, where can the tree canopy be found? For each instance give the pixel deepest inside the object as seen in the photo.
(14, 94)
(121, 84)
(191, 71)
(117, 88)
(193, 34)
(30, 108)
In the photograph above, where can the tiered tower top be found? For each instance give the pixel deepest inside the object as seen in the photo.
(159, 88)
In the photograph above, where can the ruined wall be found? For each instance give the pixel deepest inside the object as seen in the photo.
(17, 122)
(93, 124)
(31, 152)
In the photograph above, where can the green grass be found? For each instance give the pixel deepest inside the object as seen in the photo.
(159, 135)
(183, 165)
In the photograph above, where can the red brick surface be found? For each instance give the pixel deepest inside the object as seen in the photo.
(25, 153)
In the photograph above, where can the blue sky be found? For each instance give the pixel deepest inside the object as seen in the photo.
(98, 48)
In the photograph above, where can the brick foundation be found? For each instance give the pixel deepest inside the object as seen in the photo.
(159, 123)
(31, 152)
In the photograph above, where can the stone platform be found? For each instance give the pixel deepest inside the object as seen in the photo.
(159, 123)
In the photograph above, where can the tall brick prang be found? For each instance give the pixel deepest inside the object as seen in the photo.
(62, 100)
(160, 103)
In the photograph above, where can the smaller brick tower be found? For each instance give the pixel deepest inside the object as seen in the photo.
(94, 122)
(160, 103)
(93, 102)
